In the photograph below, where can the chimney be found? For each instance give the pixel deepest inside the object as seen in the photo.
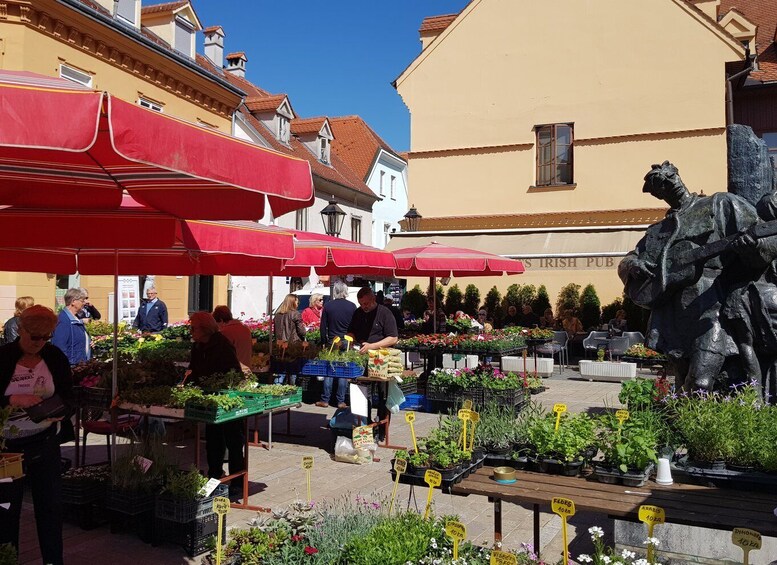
(214, 45)
(236, 64)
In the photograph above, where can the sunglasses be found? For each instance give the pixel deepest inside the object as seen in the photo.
(41, 337)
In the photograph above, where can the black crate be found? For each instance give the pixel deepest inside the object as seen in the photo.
(508, 397)
(408, 387)
(193, 536)
(82, 492)
(131, 503)
(95, 397)
(182, 511)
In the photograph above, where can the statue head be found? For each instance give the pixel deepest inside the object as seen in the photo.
(663, 181)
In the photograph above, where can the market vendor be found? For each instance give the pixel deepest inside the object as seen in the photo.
(213, 353)
(373, 325)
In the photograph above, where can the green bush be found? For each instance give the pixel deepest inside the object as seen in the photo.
(415, 301)
(471, 300)
(493, 305)
(440, 294)
(393, 541)
(609, 311)
(568, 299)
(590, 308)
(454, 301)
(541, 302)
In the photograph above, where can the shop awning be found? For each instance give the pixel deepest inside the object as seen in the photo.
(434, 259)
(65, 146)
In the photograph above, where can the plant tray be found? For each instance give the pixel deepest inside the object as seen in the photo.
(193, 536)
(11, 466)
(182, 511)
(280, 401)
(345, 370)
(408, 387)
(215, 415)
(95, 397)
(684, 472)
(316, 368)
(153, 410)
(130, 503)
(556, 467)
(449, 478)
(616, 476)
(507, 397)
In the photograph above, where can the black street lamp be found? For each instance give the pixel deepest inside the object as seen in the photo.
(413, 219)
(333, 217)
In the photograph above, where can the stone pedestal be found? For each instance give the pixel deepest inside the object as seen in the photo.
(680, 545)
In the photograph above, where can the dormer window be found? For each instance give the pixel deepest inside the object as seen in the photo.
(325, 147)
(184, 36)
(125, 11)
(283, 128)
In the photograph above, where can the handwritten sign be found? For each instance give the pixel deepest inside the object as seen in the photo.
(503, 558)
(564, 508)
(467, 404)
(458, 533)
(400, 466)
(559, 409)
(307, 462)
(651, 515)
(463, 415)
(410, 418)
(433, 479)
(220, 507)
(622, 416)
(362, 437)
(747, 540)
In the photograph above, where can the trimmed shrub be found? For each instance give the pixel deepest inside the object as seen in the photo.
(493, 303)
(541, 302)
(454, 301)
(590, 308)
(471, 300)
(568, 299)
(415, 301)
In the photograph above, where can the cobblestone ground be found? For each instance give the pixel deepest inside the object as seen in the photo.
(276, 479)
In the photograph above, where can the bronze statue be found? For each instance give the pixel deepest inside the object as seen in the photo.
(685, 267)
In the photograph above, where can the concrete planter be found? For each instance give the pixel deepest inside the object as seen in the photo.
(515, 364)
(610, 371)
(458, 361)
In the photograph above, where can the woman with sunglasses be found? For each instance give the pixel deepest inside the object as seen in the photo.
(32, 370)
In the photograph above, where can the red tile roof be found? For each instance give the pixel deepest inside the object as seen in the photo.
(302, 126)
(161, 8)
(357, 144)
(436, 23)
(236, 55)
(763, 13)
(264, 103)
(211, 29)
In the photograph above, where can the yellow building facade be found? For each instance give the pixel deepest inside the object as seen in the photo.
(631, 83)
(88, 44)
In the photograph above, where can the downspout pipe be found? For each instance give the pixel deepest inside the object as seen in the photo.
(730, 86)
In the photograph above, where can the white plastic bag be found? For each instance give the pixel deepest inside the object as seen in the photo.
(394, 397)
(345, 452)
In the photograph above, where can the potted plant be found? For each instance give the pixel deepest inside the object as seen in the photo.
(563, 450)
(495, 433)
(10, 463)
(630, 449)
(182, 499)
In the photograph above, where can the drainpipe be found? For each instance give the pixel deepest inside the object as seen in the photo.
(730, 86)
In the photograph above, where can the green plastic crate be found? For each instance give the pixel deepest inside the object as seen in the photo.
(280, 401)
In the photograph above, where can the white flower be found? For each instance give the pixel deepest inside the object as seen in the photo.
(652, 541)
(605, 559)
(626, 554)
(583, 558)
(641, 562)
(596, 532)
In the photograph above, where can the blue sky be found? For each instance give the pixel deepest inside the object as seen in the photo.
(333, 58)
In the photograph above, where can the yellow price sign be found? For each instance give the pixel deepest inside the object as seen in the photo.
(467, 405)
(503, 558)
(464, 415)
(400, 466)
(410, 418)
(559, 409)
(564, 508)
(651, 515)
(349, 339)
(307, 462)
(746, 539)
(221, 505)
(433, 479)
(458, 533)
(622, 415)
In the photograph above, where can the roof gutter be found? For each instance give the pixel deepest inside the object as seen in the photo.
(507, 231)
(730, 86)
(135, 35)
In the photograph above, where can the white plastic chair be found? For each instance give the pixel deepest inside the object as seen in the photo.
(594, 341)
(557, 347)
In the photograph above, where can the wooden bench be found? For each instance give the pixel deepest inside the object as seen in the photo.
(692, 505)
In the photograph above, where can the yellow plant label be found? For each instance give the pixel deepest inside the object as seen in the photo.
(221, 505)
(746, 539)
(503, 558)
(362, 436)
(307, 462)
(559, 408)
(432, 478)
(562, 506)
(409, 417)
(456, 530)
(652, 515)
(474, 416)
(400, 465)
(622, 415)
(463, 414)
(467, 404)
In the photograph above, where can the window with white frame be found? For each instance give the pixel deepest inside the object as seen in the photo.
(150, 104)
(356, 230)
(125, 10)
(75, 75)
(301, 220)
(393, 187)
(324, 150)
(184, 32)
(554, 155)
(283, 128)
(386, 233)
(382, 178)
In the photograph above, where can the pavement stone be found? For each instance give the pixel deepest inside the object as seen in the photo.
(276, 479)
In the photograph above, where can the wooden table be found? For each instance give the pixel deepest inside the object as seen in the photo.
(692, 505)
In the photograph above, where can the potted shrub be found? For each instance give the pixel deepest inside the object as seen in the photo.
(562, 451)
(495, 432)
(630, 450)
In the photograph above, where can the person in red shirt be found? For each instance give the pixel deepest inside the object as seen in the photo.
(311, 316)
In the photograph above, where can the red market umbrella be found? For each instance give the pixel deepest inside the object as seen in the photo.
(65, 146)
(437, 260)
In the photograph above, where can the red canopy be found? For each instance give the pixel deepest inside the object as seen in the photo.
(64, 146)
(437, 260)
(333, 256)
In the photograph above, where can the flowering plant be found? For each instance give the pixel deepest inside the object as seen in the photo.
(537, 333)
(604, 555)
(642, 352)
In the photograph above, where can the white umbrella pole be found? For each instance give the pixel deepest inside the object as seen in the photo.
(115, 370)
(434, 304)
(269, 310)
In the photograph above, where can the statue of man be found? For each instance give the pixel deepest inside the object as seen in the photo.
(683, 269)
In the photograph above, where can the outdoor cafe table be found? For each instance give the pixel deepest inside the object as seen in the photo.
(691, 505)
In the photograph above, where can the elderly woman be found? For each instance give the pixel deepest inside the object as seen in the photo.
(70, 334)
(32, 370)
(311, 316)
(213, 353)
(11, 327)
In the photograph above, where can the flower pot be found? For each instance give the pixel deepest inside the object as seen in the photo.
(607, 475)
(557, 467)
(740, 468)
(716, 465)
(631, 478)
(447, 474)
